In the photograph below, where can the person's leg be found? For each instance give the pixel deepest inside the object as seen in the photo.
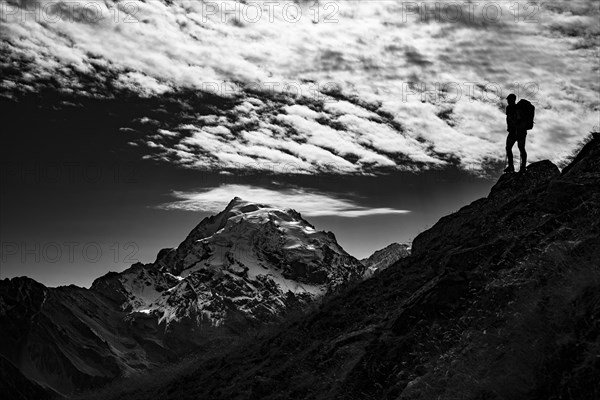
(510, 142)
(521, 145)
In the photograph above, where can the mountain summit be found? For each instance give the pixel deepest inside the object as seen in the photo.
(246, 266)
(255, 240)
(385, 257)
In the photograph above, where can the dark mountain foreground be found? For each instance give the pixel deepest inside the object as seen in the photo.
(16, 386)
(500, 300)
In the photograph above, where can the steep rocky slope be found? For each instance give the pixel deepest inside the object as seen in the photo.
(247, 266)
(69, 337)
(385, 257)
(500, 300)
(17, 387)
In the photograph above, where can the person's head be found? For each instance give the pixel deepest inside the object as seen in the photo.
(511, 98)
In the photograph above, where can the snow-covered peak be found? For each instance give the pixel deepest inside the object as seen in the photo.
(239, 229)
(258, 254)
(241, 210)
(238, 210)
(253, 261)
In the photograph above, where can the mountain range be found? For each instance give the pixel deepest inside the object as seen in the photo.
(245, 267)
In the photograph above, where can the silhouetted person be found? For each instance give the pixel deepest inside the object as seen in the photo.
(516, 133)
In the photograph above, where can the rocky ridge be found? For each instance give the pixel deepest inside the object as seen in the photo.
(383, 258)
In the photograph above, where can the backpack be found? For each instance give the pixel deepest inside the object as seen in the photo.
(526, 113)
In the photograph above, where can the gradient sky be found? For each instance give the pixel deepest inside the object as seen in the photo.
(125, 126)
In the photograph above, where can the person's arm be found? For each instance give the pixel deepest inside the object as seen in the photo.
(509, 118)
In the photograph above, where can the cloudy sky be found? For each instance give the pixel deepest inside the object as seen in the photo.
(129, 121)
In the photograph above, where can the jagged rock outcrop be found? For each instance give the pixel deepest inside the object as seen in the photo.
(383, 258)
(247, 266)
(500, 300)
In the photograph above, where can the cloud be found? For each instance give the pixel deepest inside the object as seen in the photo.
(145, 85)
(390, 69)
(345, 107)
(301, 111)
(307, 203)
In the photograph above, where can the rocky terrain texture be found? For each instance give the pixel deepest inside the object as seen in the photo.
(245, 267)
(14, 385)
(500, 300)
(385, 257)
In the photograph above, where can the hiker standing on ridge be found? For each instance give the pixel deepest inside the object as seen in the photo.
(516, 125)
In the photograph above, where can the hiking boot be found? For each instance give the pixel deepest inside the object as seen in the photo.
(523, 169)
(510, 168)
